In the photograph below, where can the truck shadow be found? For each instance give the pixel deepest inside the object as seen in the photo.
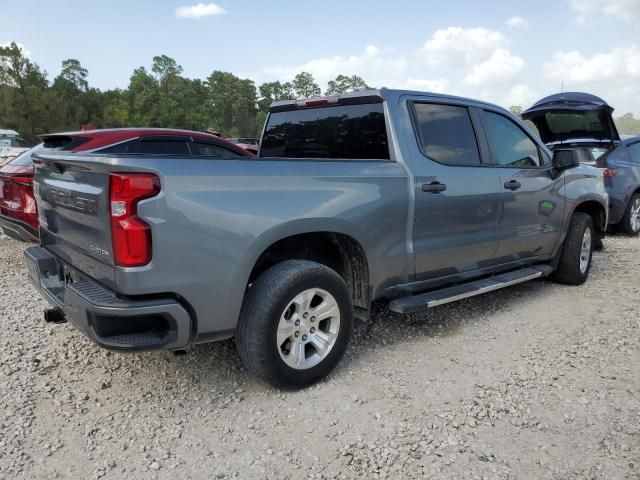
(384, 329)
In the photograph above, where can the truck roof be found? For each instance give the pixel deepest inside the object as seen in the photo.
(371, 96)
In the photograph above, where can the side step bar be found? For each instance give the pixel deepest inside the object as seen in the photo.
(434, 298)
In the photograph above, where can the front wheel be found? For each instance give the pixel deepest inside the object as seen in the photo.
(630, 224)
(295, 323)
(577, 251)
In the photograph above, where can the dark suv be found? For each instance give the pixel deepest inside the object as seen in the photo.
(583, 122)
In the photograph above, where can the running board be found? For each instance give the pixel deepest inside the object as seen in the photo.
(434, 298)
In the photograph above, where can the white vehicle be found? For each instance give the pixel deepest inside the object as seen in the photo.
(11, 145)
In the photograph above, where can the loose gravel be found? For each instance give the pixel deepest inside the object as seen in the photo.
(539, 381)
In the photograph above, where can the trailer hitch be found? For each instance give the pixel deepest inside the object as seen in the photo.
(54, 315)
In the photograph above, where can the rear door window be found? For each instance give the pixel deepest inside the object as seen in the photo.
(210, 149)
(510, 145)
(152, 145)
(161, 145)
(336, 132)
(445, 134)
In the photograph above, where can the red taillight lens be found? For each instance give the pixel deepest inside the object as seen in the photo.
(16, 199)
(608, 172)
(131, 236)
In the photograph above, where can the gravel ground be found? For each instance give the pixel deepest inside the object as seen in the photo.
(537, 381)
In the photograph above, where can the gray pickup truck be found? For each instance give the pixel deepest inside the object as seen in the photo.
(418, 198)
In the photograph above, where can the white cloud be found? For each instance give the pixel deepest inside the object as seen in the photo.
(22, 48)
(478, 63)
(440, 85)
(379, 67)
(589, 11)
(467, 45)
(621, 64)
(199, 11)
(613, 75)
(501, 66)
(520, 94)
(517, 22)
(473, 62)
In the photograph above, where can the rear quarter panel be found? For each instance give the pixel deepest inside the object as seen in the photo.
(624, 184)
(213, 219)
(582, 184)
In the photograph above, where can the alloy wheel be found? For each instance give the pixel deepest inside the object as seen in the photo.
(308, 329)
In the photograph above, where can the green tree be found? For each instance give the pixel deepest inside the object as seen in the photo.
(115, 111)
(628, 124)
(344, 84)
(73, 76)
(273, 91)
(233, 103)
(73, 103)
(270, 92)
(143, 93)
(305, 86)
(516, 110)
(165, 67)
(24, 93)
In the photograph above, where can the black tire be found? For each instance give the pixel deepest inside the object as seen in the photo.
(569, 271)
(263, 307)
(626, 225)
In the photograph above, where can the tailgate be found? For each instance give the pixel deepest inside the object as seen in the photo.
(73, 198)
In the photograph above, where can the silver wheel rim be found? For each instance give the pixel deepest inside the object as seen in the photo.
(308, 329)
(585, 251)
(635, 215)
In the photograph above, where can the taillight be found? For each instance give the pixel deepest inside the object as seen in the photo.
(131, 236)
(16, 199)
(608, 172)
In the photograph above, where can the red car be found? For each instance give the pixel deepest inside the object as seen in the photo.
(18, 213)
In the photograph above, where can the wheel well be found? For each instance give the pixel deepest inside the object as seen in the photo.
(339, 252)
(597, 213)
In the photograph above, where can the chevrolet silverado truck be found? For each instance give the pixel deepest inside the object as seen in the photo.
(417, 198)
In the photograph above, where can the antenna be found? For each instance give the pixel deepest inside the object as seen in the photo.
(562, 88)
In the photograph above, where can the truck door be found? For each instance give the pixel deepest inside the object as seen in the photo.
(457, 192)
(533, 195)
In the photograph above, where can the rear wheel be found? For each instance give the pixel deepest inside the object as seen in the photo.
(577, 251)
(295, 323)
(630, 224)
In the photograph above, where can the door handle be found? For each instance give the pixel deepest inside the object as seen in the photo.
(512, 185)
(434, 187)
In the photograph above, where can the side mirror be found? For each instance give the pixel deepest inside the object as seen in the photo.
(565, 158)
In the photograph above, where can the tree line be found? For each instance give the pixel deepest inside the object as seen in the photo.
(160, 97)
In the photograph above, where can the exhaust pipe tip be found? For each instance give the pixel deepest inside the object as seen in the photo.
(54, 315)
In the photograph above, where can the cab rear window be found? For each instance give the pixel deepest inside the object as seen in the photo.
(335, 132)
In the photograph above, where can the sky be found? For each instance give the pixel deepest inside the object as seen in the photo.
(506, 52)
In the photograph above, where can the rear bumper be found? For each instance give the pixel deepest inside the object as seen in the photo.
(18, 230)
(111, 322)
